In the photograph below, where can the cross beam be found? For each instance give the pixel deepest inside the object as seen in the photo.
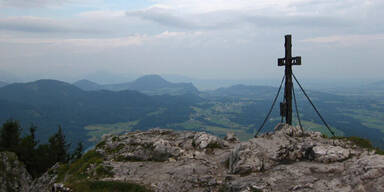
(288, 61)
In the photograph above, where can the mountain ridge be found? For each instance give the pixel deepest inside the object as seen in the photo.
(87, 85)
(49, 103)
(148, 84)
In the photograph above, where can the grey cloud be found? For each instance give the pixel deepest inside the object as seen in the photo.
(301, 21)
(30, 3)
(30, 25)
(163, 17)
(229, 19)
(242, 43)
(322, 3)
(211, 20)
(38, 25)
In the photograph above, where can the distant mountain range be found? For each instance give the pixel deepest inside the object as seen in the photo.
(49, 103)
(243, 91)
(151, 101)
(148, 84)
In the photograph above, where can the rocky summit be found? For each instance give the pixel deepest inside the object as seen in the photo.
(166, 160)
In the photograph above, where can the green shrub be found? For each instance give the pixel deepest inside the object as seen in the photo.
(115, 150)
(379, 151)
(361, 142)
(103, 171)
(214, 145)
(78, 177)
(78, 169)
(101, 144)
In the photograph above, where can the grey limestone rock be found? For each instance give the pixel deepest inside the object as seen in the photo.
(285, 160)
(328, 154)
(231, 137)
(13, 175)
(46, 182)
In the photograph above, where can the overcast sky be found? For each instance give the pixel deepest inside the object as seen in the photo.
(222, 39)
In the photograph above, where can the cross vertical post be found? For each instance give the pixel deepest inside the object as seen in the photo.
(288, 61)
(288, 79)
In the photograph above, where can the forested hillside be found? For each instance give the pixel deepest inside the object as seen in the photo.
(49, 103)
(87, 115)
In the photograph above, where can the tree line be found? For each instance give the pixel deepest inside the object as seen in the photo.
(37, 157)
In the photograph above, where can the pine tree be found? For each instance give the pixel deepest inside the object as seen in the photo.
(37, 158)
(10, 135)
(27, 151)
(78, 152)
(59, 147)
(43, 159)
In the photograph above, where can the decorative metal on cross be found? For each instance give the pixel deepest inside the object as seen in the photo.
(288, 61)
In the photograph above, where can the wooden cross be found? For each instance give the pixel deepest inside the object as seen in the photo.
(288, 61)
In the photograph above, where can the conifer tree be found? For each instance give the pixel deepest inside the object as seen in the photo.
(27, 151)
(43, 158)
(38, 158)
(78, 152)
(59, 147)
(10, 135)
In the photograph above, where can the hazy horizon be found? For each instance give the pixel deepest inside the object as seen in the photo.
(104, 78)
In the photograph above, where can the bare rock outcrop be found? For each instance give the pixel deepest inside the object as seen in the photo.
(46, 182)
(157, 145)
(13, 175)
(286, 160)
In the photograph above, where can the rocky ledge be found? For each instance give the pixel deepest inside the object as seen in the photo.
(13, 175)
(286, 160)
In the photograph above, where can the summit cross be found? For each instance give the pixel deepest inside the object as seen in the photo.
(288, 61)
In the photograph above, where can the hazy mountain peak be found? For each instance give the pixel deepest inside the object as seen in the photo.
(148, 84)
(157, 79)
(43, 84)
(40, 91)
(154, 85)
(84, 81)
(87, 85)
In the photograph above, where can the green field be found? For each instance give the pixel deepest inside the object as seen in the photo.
(96, 131)
(244, 114)
(371, 119)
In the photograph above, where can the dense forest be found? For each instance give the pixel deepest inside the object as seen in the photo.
(37, 157)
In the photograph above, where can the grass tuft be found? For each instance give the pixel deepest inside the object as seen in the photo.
(361, 142)
(78, 170)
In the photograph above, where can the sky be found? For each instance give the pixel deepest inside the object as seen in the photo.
(208, 39)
